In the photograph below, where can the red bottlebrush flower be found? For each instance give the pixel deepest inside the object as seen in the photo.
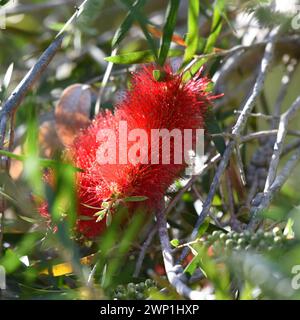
(148, 104)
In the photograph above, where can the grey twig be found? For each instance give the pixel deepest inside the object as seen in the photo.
(143, 251)
(294, 133)
(174, 273)
(259, 115)
(265, 62)
(285, 81)
(237, 129)
(33, 75)
(278, 146)
(178, 196)
(265, 199)
(3, 121)
(210, 213)
(14, 100)
(290, 147)
(240, 164)
(257, 135)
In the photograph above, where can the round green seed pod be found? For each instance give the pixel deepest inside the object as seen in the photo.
(149, 283)
(247, 234)
(260, 233)
(120, 288)
(262, 244)
(142, 286)
(223, 236)
(229, 243)
(119, 296)
(268, 236)
(255, 240)
(216, 234)
(235, 235)
(140, 296)
(210, 238)
(241, 242)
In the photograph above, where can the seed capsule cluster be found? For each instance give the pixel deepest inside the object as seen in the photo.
(134, 291)
(259, 241)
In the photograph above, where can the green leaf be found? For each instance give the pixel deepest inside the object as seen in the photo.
(213, 128)
(203, 228)
(63, 206)
(101, 214)
(28, 219)
(32, 170)
(171, 17)
(159, 75)
(142, 20)
(216, 26)
(123, 246)
(288, 230)
(11, 259)
(42, 162)
(192, 38)
(8, 74)
(138, 57)
(3, 2)
(193, 265)
(105, 204)
(91, 12)
(175, 243)
(126, 24)
(135, 199)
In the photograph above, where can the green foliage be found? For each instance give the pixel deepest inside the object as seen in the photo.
(126, 24)
(171, 16)
(90, 14)
(141, 19)
(48, 259)
(192, 38)
(216, 27)
(4, 2)
(139, 57)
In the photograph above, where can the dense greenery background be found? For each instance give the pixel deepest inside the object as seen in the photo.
(226, 262)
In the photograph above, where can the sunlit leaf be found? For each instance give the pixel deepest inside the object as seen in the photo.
(139, 57)
(171, 17)
(192, 32)
(126, 24)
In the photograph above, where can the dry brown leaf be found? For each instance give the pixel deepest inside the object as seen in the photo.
(158, 34)
(16, 166)
(72, 112)
(49, 142)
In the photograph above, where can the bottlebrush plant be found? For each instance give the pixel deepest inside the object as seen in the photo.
(150, 103)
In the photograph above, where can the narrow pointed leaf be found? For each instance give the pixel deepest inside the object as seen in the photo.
(171, 17)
